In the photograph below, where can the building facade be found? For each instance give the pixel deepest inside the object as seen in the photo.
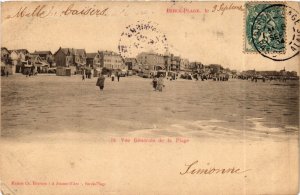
(19, 56)
(111, 60)
(151, 61)
(45, 56)
(196, 67)
(66, 57)
(131, 64)
(5, 55)
(215, 68)
(175, 63)
(93, 60)
(184, 64)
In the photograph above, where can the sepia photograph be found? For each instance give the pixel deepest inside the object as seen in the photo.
(149, 97)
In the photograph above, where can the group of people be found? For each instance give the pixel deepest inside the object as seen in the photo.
(113, 77)
(86, 74)
(158, 83)
(4, 72)
(101, 79)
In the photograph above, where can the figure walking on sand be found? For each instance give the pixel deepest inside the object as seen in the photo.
(154, 82)
(100, 82)
(160, 83)
(118, 76)
(83, 75)
(112, 77)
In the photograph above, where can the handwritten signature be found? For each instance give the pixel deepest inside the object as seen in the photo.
(192, 169)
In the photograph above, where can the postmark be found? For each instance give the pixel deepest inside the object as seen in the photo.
(270, 34)
(269, 24)
(142, 36)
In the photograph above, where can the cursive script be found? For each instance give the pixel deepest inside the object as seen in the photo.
(192, 169)
(40, 11)
(43, 11)
(225, 7)
(85, 11)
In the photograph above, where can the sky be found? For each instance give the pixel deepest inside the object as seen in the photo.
(210, 38)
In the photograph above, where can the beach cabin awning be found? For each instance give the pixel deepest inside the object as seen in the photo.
(41, 63)
(45, 64)
(28, 65)
(81, 63)
(160, 66)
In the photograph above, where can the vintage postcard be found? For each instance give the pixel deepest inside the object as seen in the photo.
(127, 97)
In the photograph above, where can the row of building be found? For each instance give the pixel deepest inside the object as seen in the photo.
(63, 57)
(147, 61)
(268, 74)
(75, 59)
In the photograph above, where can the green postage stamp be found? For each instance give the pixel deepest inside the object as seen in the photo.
(264, 28)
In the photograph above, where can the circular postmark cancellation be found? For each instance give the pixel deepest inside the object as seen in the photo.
(275, 32)
(142, 36)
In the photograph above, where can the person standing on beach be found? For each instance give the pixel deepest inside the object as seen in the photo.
(100, 82)
(154, 82)
(83, 75)
(112, 77)
(160, 83)
(118, 76)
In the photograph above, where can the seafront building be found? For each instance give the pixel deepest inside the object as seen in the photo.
(184, 64)
(282, 74)
(93, 60)
(132, 64)
(151, 61)
(65, 57)
(45, 56)
(168, 62)
(5, 55)
(111, 60)
(69, 61)
(175, 63)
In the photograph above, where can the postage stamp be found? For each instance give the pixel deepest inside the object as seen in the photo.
(292, 33)
(264, 28)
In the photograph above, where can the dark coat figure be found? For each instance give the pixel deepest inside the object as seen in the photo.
(160, 83)
(154, 82)
(118, 76)
(100, 82)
